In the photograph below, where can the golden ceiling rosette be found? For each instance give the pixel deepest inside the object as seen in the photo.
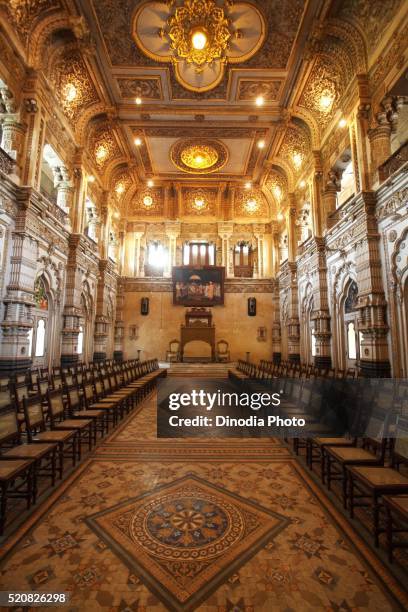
(199, 157)
(200, 37)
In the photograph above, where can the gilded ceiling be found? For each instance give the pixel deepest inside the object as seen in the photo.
(234, 96)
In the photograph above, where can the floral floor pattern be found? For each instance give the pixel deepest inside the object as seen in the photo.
(270, 541)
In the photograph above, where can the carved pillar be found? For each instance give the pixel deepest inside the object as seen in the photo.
(72, 310)
(80, 184)
(101, 320)
(173, 230)
(374, 357)
(380, 142)
(316, 192)
(19, 300)
(119, 324)
(276, 326)
(64, 188)
(293, 321)
(225, 231)
(138, 235)
(12, 130)
(291, 228)
(259, 231)
(35, 119)
(329, 198)
(321, 313)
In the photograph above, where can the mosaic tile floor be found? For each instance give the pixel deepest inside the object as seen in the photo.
(147, 525)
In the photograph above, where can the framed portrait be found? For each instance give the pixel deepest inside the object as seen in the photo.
(198, 286)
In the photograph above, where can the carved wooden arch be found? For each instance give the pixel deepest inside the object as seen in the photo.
(353, 38)
(399, 278)
(288, 172)
(307, 297)
(52, 272)
(39, 35)
(84, 119)
(344, 276)
(308, 118)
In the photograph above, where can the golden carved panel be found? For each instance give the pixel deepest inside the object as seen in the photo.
(199, 155)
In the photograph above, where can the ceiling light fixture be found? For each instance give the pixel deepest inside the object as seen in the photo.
(138, 142)
(91, 178)
(302, 184)
(116, 214)
(342, 122)
(251, 206)
(138, 101)
(120, 188)
(199, 39)
(199, 203)
(297, 160)
(261, 144)
(150, 183)
(260, 101)
(70, 92)
(280, 216)
(148, 201)
(326, 101)
(277, 192)
(248, 185)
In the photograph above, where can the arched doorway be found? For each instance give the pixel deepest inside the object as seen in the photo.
(40, 335)
(351, 335)
(85, 334)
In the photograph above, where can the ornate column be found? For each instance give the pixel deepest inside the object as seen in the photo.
(259, 231)
(293, 320)
(173, 230)
(119, 337)
(138, 235)
(321, 313)
(276, 325)
(63, 184)
(330, 192)
(374, 357)
(72, 310)
(19, 300)
(12, 130)
(380, 142)
(225, 231)
(316, 191)
(106, 271)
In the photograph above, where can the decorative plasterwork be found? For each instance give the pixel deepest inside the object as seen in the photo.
(295, 147)
(198, 155)
(24, 12)
(322, 91)
(72, 84)
(145, 88)
(147, 201)
(103, 146)
(200, 37)
(277, 185)
(250, 203)
(199, 201)
(248, 90)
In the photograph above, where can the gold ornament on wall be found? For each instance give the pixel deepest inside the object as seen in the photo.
(199, 201)
(199, 157)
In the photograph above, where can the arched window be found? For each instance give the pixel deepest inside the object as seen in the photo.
(199, 253)
(80, 345)
(353, 338)
(351, 341)
(243, 260)
(40, 338)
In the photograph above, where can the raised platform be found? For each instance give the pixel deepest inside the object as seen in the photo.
(205, 370)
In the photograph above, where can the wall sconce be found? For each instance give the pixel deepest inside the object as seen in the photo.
(251, 307)
(261, 334)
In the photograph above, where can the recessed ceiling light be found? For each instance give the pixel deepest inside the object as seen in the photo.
(199, 39)
(261, 144)
(91, 178)
(326, 101)
(138, 101)
(302, 184)
(342, 122)
(248, 185)
(138, 142)
(259, 101)
(280, 217)
(150, 183)
(116, 214)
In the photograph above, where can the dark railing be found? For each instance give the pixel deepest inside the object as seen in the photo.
(393, 163)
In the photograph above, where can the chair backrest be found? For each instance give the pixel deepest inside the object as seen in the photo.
(9, 429)
(174, 346)
(99, 388)
(222, 347)
(34, 415)
(74, 400)
(43, 385)
(20, 391)
(56, 404)
(400, 449)
(88, 392)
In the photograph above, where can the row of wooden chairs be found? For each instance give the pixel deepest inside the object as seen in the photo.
(268, 369)
(56, 422)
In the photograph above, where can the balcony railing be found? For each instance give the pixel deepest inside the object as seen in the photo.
(393, 163)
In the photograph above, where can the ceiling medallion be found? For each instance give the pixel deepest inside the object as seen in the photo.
(199, 37)
(201, 157)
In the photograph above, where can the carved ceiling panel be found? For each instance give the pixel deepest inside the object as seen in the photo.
(250, 203)
(147, 202)
(23, 13)
(72, 83)
(145, 88)
(199, 202)
(295, 147)
(322, 91)
(103, 145)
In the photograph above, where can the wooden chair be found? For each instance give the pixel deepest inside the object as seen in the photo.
(111, 406)
(222, 351)
(43, 455)
(16, 482)
(85, 428)
(37, 433)
(368, 484)
(396, 509)
(75, 411)
(173, 353)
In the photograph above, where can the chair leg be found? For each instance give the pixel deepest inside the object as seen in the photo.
(3, 506)
(328, 471)
(376, 519)
(61, 460)
(344, 487)
(389, 534)
(351, 495)
(53, 466)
